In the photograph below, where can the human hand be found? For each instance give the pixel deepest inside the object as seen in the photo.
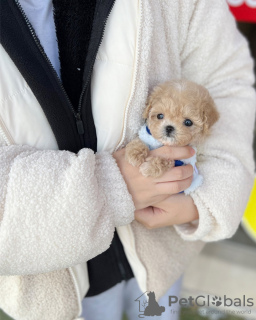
(148, 191)
(176, 209)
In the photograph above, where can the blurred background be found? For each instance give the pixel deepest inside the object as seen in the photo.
(226, 267)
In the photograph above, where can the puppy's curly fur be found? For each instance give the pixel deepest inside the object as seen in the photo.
(177, 113)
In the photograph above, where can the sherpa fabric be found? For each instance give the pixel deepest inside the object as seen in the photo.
(32, 291)
(197, 178)
(45, 182)
(58, 208)
(198, 49)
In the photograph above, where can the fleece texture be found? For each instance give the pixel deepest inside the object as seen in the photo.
(33, 291)
(59, 209)
(216, 56)
(51, 185)
(197, 178)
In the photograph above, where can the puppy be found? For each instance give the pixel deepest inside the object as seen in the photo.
(177, 113)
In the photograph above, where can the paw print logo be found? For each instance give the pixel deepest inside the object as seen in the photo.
(216, 301)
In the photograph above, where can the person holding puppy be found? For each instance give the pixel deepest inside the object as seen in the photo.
(79, 236)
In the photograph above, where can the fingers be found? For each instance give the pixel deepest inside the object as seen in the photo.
(173, 153)
(176, 173)
(147, 191)
(174, 186)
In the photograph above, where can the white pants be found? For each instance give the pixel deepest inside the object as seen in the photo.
(111, 304)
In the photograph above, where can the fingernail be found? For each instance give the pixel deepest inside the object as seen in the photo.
(178, 163)
(181, 192)
(192, 151)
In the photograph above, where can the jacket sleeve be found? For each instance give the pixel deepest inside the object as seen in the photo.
(57, 208)
(216, 55)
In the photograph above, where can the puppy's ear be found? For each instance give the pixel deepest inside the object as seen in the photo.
(148, 107)
(210, 115)
(154, 95)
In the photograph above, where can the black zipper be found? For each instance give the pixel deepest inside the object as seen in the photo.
(80, 124)
(119, 263)
(77, 114)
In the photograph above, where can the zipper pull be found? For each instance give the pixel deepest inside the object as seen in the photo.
(79, 124)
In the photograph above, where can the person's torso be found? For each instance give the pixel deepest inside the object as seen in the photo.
(112, 79)
(145, 53)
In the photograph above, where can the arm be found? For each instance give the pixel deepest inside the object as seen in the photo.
(217, 56)
(57, 208)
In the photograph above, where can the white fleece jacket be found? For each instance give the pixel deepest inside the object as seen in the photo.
(59, 209)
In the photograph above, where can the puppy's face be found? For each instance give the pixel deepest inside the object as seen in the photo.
(180, 112)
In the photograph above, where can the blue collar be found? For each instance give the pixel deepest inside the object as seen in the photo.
(148, 131)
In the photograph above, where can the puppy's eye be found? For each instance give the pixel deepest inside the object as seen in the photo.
(188, 123)
(160, 116)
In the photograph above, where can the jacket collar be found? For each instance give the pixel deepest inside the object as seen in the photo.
(17, 39)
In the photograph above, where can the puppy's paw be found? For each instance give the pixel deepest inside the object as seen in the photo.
(136, 152)
(155, 167)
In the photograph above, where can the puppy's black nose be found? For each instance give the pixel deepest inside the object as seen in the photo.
(169, 130)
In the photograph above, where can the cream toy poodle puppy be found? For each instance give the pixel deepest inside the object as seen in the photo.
(177, 113)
